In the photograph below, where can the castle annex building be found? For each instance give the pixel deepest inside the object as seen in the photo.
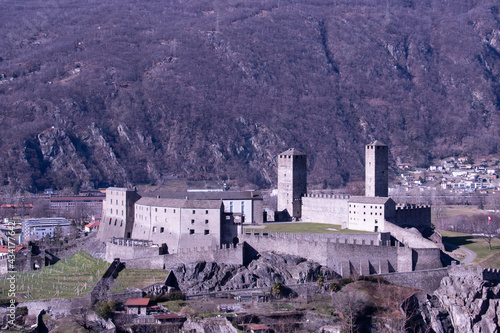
(371, 212)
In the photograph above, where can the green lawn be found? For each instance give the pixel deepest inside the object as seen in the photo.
(302, 227)
(485, 257)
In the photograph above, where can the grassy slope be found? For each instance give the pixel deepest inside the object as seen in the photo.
(71, 277)
(76, 277)
(485, 257)
(138, 278)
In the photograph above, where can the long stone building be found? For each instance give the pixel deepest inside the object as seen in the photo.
(181, 219)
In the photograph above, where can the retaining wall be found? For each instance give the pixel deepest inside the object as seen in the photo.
(57, 306)
(427, 280)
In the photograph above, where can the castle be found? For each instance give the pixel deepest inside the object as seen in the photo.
(157, 231)
(371, 212)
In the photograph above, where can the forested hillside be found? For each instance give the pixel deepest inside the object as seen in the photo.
(136, 91)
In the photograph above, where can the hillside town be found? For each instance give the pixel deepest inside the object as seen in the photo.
(451, 175)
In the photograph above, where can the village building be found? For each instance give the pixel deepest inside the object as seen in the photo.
(137, 306)
(38, 228)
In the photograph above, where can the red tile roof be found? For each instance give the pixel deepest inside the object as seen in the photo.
(93, 224)
(5, 248)
(258, 327)
(170, 315)
(137, 302)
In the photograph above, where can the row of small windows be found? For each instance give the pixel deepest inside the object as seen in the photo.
(191, 231)
(364, 206)
(192, 221)
(111, 211)
(165, 210)
(364, 213)
(289, 156)
(364, 220)
(116, 220)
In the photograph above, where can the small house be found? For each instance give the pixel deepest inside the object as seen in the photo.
(258, 328)
(137, 306)
(92, 226)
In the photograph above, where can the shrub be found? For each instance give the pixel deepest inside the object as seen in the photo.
(104, 309)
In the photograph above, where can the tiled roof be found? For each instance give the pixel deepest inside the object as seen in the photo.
(179, 203)
(5, 248)
(369, 200)
(169, 315)
(137, 302)
(292, 151)
(376, 143)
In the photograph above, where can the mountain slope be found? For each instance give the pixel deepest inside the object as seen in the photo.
(123, 92)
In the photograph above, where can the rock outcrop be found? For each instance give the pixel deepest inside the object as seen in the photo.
(262, 272)
(463, 303)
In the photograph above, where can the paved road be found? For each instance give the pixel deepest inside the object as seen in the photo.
(469, 255)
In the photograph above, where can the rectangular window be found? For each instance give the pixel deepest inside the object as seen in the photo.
(162, 230)
(206, 221)
(207, 232)
(156, 210)
(192, 221)
(191, 231)
(206, 212)
(194, 211)
(154, 229)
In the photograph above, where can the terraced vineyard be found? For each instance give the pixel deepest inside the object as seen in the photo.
(72, 277)
(138, 278)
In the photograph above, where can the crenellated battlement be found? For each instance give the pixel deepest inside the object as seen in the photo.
(131, 242)
(411, 206)
(206, 249)
(314, 239)
(327, 196)
(469, 271)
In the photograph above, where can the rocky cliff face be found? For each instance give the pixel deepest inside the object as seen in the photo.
(143, 91)
(462, 304)
(263, 272)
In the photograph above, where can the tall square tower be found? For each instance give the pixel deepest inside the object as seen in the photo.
(292, 181)
(376, 170)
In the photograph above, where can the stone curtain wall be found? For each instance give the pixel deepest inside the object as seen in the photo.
(325, 208)
(356, 254)
(149, 257)
(57, 306)
(426, 280)
(129, 252)
(418, 216)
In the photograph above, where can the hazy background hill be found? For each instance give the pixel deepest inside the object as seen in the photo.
(136, 91)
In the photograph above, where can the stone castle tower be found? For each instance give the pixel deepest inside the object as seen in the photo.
(292, 181)
(376, 170)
